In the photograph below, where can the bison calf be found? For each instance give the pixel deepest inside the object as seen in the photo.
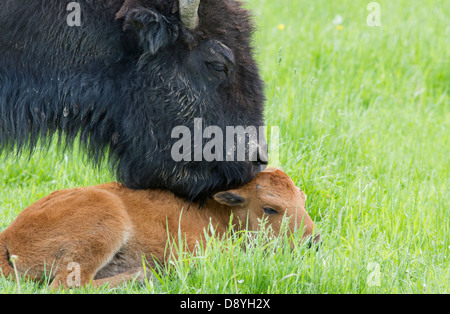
(107, 229)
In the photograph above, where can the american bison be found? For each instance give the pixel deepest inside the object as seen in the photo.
(124, 77)
(106, 229)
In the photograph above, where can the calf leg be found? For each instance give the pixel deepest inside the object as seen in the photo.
(6, 267)
(133, 274)
(64, 279)
(80, 266)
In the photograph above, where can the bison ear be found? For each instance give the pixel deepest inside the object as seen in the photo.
(152, 29)
(230, 198)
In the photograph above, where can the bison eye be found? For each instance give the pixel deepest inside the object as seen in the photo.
(270, 211)
(216, 66)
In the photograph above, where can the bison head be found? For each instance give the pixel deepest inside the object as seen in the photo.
(195, 62)
(129, 75)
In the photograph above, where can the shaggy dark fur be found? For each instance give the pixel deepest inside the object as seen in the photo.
(123, 84)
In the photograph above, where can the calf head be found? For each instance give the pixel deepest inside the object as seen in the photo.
(272, 195)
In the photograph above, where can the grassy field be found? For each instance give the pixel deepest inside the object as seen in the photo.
(364, 118)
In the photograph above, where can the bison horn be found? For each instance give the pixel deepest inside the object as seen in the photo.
(189, 13)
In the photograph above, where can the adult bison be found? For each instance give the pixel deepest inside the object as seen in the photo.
(125, 78)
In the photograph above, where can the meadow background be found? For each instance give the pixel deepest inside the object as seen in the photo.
(364, 120)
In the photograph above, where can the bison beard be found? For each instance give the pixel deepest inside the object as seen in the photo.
(124, 79)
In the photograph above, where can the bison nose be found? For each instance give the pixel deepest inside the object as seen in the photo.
(260, 161)
(259, 166)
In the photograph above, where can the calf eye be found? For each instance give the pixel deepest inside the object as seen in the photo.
(270, 211)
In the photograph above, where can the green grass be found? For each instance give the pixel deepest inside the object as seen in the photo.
(364, 119)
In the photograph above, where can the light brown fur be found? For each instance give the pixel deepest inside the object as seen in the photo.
(107, 228)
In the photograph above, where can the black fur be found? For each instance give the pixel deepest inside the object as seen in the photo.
(123, 84)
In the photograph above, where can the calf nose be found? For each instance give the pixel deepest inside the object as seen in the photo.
(314, 241)
(317, 239)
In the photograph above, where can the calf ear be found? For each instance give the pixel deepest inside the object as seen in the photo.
(153, 30)
(230, 198)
